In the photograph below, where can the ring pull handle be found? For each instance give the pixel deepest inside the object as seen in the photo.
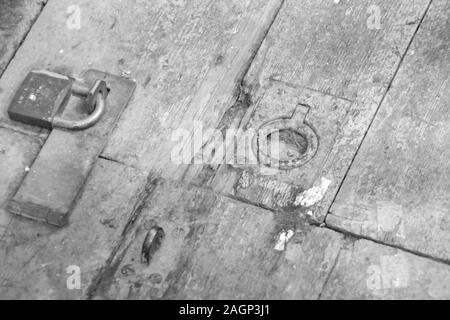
(299, 127)
(95, 104)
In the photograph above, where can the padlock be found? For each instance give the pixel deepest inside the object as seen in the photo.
(42, 96)
(53, 183)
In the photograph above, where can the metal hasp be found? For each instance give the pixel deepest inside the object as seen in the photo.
(82, 115)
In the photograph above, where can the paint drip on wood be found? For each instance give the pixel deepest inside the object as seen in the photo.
(312, 196)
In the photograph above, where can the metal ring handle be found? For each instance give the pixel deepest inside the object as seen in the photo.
(96, 105)
(87, 122)
(280, 124)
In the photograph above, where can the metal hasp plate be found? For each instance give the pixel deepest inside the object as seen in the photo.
(50, 189)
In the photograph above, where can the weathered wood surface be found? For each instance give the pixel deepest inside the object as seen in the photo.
(35, 258)
(49, 191)
(17, 152)
(189, 58)
(202, 64)
(173, 49)
(215, 247)
(282, 189)
(16, 19)
(398, 189)
(367, 270)
(218, 248)
(324, 54)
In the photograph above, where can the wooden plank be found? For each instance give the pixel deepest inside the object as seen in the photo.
(49, 191)
(17, 152)
(35, 257)
(16, 19)
(397, 190)
(218, 248)
(171, 49)
(322, 53)
(366, 270)
(179, 53)
(214, 246)
(201, 83)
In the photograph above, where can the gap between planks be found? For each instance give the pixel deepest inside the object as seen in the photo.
(112, 261)
(378, 107)
(42, 3)
(117, 254)
(147, 193)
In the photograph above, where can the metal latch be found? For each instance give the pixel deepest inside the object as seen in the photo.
(42, 96)
(52, 185)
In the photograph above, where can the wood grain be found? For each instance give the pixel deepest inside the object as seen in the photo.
(16, 19)
(219, 248)
(49, 191)
(323, 54)
(189, 59)
(202, 70)
(397, 190)
(35, 257)
(17, 152)
(370, 271)
(177, 51)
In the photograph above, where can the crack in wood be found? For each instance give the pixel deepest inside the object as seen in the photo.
(378, 107)
(360, 237)
(41, 4)
(109, 269)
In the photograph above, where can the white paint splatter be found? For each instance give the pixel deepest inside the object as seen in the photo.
(163, 118)
(312, 196)
(244, 181)
(283, 239)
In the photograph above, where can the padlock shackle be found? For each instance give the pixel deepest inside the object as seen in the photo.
(80, 89)
(87, 122)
